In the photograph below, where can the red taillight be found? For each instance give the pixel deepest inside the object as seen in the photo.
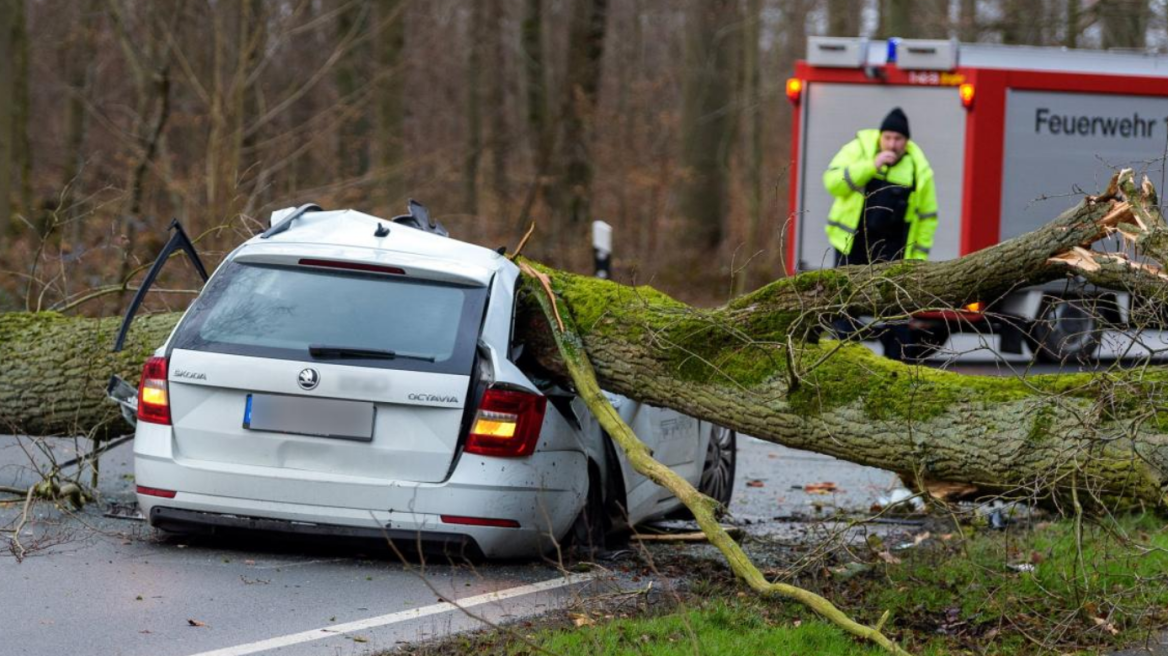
(480, 521)
(154, 393)
(354, 266)
(507, 424)
(155, 492)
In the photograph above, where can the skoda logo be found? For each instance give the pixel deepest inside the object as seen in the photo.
(309, 379)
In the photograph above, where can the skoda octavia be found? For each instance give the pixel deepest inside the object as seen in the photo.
(341, 374)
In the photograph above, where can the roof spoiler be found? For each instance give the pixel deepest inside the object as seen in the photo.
(419, 217)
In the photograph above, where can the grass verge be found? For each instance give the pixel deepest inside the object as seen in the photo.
(1038, 588)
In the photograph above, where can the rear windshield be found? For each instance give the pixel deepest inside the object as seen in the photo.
(277, 312)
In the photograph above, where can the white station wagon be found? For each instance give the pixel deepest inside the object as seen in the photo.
(341, 374)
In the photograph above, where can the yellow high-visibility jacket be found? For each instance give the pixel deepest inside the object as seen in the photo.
(852, 168)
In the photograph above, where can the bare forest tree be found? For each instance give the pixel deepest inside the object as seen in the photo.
(665, 119)
(712, 33)
(8, 17)
(586, 42)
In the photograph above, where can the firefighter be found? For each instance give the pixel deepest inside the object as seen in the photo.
(885, 202)
(885, 209)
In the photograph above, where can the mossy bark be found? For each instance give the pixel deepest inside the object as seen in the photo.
(56, 369)
(997, 432)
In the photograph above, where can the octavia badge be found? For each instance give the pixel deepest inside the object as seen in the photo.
(309, 379)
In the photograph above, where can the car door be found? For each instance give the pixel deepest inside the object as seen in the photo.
(118, 390)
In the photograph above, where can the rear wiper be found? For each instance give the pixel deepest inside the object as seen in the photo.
(328, 351)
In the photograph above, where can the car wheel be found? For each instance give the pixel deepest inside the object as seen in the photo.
(925, 339)
(1066, 331)
(717, 481)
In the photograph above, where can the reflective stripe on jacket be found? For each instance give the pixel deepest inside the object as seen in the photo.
(852, 168)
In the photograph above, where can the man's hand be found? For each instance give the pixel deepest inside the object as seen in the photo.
(885, 158)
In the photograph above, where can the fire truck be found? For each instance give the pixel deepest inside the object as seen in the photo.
(1015, 135)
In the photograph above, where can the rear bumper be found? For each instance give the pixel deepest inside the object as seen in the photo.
(543, 493)
(178, 520)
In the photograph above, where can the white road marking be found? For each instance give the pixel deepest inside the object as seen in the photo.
(393, 618)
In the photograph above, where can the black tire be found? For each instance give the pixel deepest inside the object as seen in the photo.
(1066, 331)
(925, 340)
(588, 535)
(717, 480)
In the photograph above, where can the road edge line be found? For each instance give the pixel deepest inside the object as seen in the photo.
(394, 618)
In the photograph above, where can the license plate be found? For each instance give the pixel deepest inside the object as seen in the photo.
(347, 420)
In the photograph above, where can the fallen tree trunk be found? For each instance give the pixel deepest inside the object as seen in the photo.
(56, 369)
(757, 364)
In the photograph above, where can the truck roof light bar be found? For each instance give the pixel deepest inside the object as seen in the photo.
(286, 222)
(859, 52)
(837, 52)
(923, 54)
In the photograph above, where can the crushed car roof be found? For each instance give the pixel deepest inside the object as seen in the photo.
(350, 235)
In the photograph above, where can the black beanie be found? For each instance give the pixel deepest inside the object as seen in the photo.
(896, 121)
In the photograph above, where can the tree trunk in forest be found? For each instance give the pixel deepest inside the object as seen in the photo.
(1072, 20)
(150, 63)
(707, 118)
(496, 97)
(752, 109)
(1022, 23)
(351, 77)
(390, 99)
(8, 16)
(539, 135)
(81, 61)
(1124, 22)
(474, 117)
(843, 18)
(968, 29)
(756, 365)
(22, 100)
(253, 44)
(914, 19)
(581, 87)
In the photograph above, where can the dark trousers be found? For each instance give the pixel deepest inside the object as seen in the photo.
(873, 249)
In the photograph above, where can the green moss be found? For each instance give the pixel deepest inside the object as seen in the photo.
(700, 345)
(1040, 428)
(900, 268)
(891, 390)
